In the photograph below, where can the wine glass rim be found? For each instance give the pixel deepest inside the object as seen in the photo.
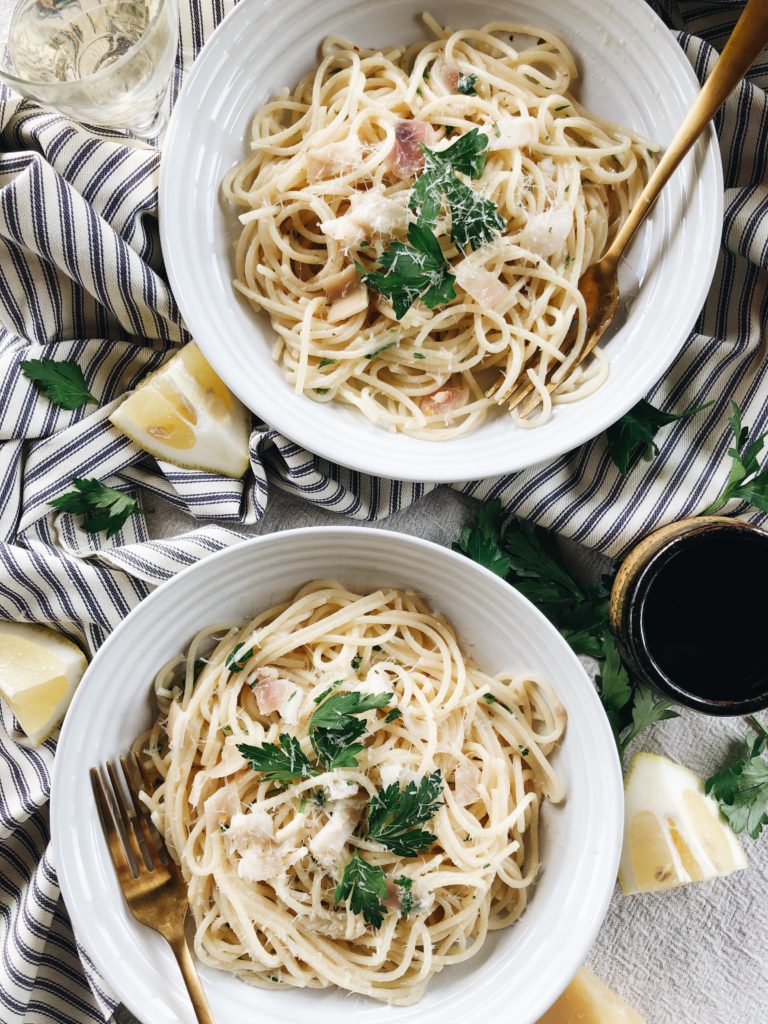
(12, 79)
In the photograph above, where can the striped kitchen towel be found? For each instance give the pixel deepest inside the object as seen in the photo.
(81, 277)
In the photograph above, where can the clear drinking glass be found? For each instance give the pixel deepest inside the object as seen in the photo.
(103, 62)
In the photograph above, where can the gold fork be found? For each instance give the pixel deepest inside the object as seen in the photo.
(599, 283)
(151, 882)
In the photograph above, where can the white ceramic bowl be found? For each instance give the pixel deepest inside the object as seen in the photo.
(633, 72)
(520, 970)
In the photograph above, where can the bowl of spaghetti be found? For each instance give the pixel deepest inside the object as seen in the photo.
(389, 785)
(386, 212)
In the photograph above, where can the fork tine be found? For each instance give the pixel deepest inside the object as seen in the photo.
(114, 842)
(128, 765)
(127, 820)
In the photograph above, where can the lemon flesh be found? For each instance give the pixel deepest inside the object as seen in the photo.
(184, 414)
(588, 1001)
(39, 672)
(673, 833)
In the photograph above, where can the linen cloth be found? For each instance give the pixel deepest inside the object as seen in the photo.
(81, 277)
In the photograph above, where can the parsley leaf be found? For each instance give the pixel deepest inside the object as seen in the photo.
(365, 886)
(394, 815)
(289, 764)
(634, 433)
(482, 541)
(337, 748)
(335, 712)
(236, 662)
(416, 269)
(405, 885)
(746, 481)
(646, 711)
(467, 155)
(102, 507)
(393, 715)
(741, 788)
(614, 685)
(62, 381)
(380, 349)
(466, 86)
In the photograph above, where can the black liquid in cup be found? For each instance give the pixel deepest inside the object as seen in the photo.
(696, 619)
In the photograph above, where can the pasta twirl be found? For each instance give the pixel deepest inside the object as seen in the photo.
(263, 857)
(328, 190)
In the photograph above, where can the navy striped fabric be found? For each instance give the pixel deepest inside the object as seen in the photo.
(81, 277)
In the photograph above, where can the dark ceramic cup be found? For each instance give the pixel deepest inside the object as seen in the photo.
(690, 610)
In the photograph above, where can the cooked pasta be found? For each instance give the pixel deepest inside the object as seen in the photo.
(330, 194)
(351, 800)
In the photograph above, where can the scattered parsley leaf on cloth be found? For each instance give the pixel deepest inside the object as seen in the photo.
(102, 507)
(634, 434)
(365, 886)
(741, 788)
(62, 381)
(394, 815)
(746, 481)
(284, 764)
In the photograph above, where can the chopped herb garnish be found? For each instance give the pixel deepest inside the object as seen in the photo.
(327, 362)
(322, 391)
(284, 764)
(357, 662)
(363, 245)
(319, 797)
(394, 815)
(427, 72)
(376, 647)
(227, 730)
(392, 715)
(565, 106)
(62, 381)
(380, 349)
(102, 507)
(496, 129)
(405, 885)
(365, 886)
(224, 826)
(524, 751)
(467, 85)
(651, 153)
(321, 696)
(419, 355)
(236, 661)
(197, 667)
(302, 803)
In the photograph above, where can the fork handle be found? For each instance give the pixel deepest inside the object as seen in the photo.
(192, 981)
(747, 40)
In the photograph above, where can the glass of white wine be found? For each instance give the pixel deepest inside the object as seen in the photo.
(102, 62)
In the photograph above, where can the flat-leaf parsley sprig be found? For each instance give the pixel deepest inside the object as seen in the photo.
(394, 815)
(529, 559)
(741, 788)
(101, 507)
(746, 480)
(365, 886)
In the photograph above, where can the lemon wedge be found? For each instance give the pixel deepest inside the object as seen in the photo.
(39, 672)
(184, 414)
(588, 1001)
(673, 833)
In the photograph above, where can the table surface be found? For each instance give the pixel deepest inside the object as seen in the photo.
(696, 955)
